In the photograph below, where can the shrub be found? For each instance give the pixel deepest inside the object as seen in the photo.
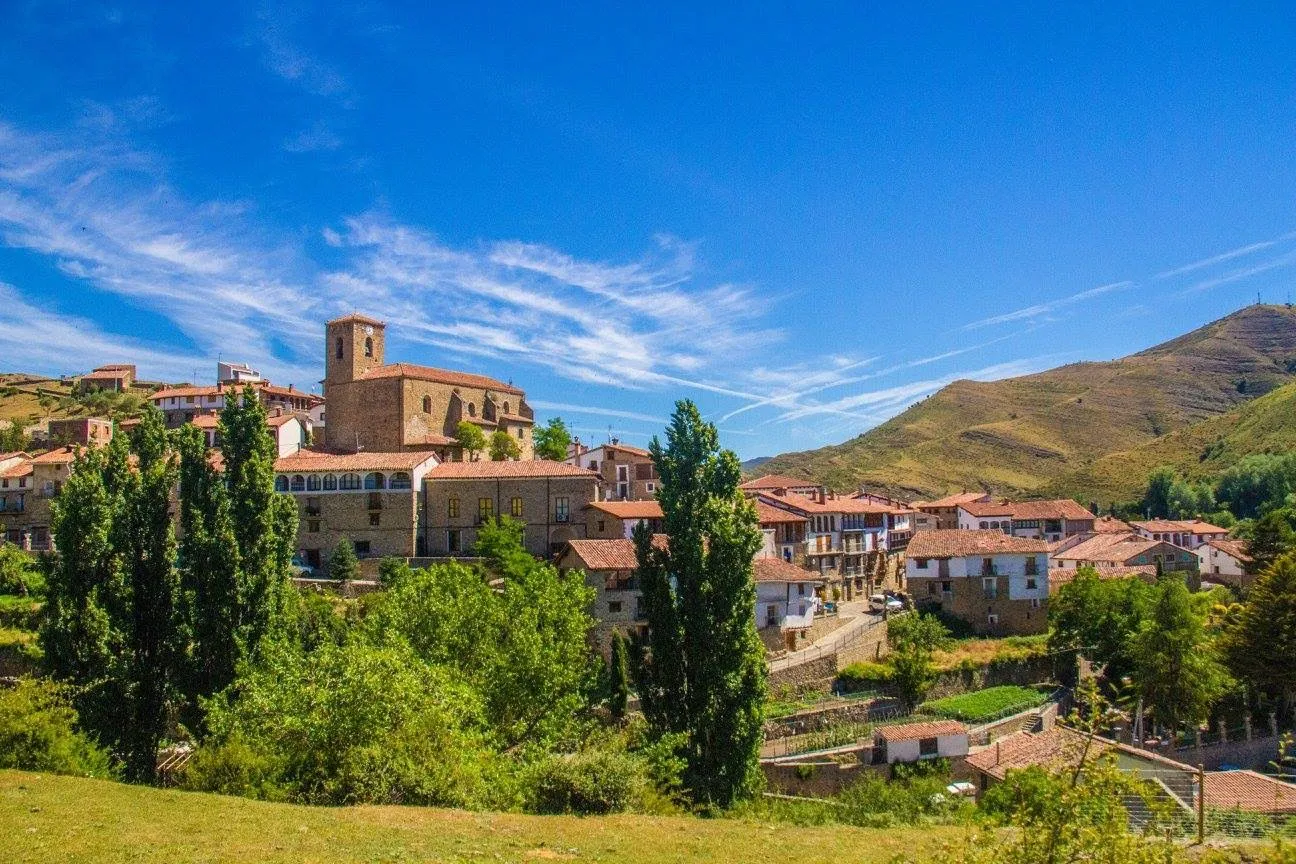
(858, 677)
(38, 733)
(233, 768)
(589, 782)
(19, 574)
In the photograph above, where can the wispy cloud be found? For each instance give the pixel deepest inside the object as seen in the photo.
(545, 405)
(1239, 275)
(1041, 309)
(315, 138)
(1240, 252)
(285, 56)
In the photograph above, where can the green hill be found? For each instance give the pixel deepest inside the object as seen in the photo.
(1023, 435)
(66, 819)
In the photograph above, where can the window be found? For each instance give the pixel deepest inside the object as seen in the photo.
(506, 408)
(298, 483)
(927, 747)
(1035, 604)
(601, 529)
(349, 482)
(771, 615)
(562, 508)
(337, 348)
(313, 483)
(987, 567)
(990, 587)
(362, 547)
(375, 500)
(368, 347)
(330, 482)
(485, 509)
(1030, 583)
(920, 563)
(515, 507)
(614, 607)
(375, 519)
(281, 483)
(651, 487)
(374, 480)
(984, 524)
(452, 508)
(399, 480)
(452, 541)
(1032, 566)
(312, 526)
(992, 619)
(800, 589)
(427, 404)
(521, 432)
(472, 410)
(931, 588)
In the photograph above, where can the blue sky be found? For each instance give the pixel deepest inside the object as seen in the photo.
(805, 217)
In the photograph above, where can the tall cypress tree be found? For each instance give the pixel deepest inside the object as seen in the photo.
(705, 672)
(149, 559)
(209, 573)
(265, 522)
(618, 676)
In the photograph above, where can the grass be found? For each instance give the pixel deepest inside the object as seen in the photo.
(1027, 435)
(991, 652)
(984, 705)
(47, 819)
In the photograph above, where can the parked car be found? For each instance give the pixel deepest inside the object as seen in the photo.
(880, 603)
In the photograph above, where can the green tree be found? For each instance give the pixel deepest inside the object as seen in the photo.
(12, 437)
(343, 564)
(705, 674)
(1189, 500)
(504, 446)
(38, 732)
(1260, 646)
(619, 676)
(471, 438)
(1098, 618)
(153, 585)
(1175, 666)
(914, 639)
(1156, 501)
(1271, 538)
(1257, 483)
(552, 440)
(209, 573)
(264, 521)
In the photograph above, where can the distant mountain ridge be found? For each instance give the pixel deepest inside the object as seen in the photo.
(1038, 433)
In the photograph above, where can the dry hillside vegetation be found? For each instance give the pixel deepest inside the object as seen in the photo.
(1023, 435)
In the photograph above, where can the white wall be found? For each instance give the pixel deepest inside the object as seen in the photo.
(1011, 565)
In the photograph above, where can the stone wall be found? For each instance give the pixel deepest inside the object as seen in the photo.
(1037, 670)
(817, 674)
(816, 720)
(818, 779)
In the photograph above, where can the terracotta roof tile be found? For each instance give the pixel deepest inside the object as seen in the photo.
(1108, 548)
(530, 468)
(628, 509)
(322, 460)
(924, 729)
(1059, 576)
(778, 570)
(22, 469)
(952, 543)
(56, 457)
(618, 554)
(1058, 508)
(954, 500)
(359, 319)
(768, 514)
(1250, 791)
(1237, 548)
(441, 376)
(1024, 749)
(1179, 526)
(1111, 525)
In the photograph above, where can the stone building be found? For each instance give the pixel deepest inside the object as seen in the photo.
(28, 485)
(184, 404)
(997, 583)
(372, 499)
(548, 497)
(400, 406)
(80, 430)
(625, 473)
(607, 520)
(114, 377)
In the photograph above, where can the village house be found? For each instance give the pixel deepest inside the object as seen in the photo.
(1187, 533)
(115, 377)
(1225, 561)
(549, 497)
(86, 431)
(1115, 550)
(236, 373)
(945, 510)
(915, 742)
(400, 406)
(184, 404)
(606, 520)
(625, 473)
(995, 582)
(291, 432)
(371, 499)
(780, 483)
(1040, 520)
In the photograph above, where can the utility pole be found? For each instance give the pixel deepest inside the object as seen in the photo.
(1201, 803)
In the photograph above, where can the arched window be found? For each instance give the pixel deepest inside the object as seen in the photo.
(399, 480)
(338, 347)
(373, 480)
(472, 410)
(506, 408)
(281, 483)
(349, 481)
(368, 347)
(312, 483)
(330, 482)
(298, 483)
(427, 404)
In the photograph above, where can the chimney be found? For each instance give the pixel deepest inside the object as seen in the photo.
(823, 494)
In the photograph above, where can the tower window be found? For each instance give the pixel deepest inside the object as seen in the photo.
(338, 347)
(472, 410)
(427, 404)
(368, 347)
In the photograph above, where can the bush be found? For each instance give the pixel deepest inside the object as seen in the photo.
(233, 768)
(859, 677)
(38, 733)
(589, 782)
(19, 574)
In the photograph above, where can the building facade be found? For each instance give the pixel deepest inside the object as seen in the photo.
(1187, 533)
(945, 510)
(997, 583)
(625, 473)
(1052, 520)
(181, 405)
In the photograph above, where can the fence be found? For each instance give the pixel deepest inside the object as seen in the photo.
(832, 644)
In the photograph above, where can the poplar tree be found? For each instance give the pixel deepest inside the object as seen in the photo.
(209, 573)
(705, 674)
(618, 676)
(264, 521)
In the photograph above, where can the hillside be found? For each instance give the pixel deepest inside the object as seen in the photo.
(1020, 435)
(64, 819)
(32, 400)
(1201, 451)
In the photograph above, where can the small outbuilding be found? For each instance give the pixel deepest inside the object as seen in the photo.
(913, 742)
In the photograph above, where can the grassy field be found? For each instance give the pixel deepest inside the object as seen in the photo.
(984, 705)
(1021, 435)
(46, 819)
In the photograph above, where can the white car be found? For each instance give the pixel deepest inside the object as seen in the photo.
(880, 603)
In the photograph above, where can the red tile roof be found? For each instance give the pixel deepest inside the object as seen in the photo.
(514, 418)
(925, 729)
(56, 457)
(1250, 791)
(440, 376)
(1108, 548)
(322, 460)
(616, 554)
(1236, 548)
(987, 508)
(1179, 526)
(432, 439)
(1059, 576)
(628, 509)
(492, 470)
(106, 374)
(22, 469)
(952, 543)
(777, 481)
(768, 514)
(953, 500)
(778, 570)
(1111, 525)
(1058, 508)
(1024, 749)
(226, 390)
